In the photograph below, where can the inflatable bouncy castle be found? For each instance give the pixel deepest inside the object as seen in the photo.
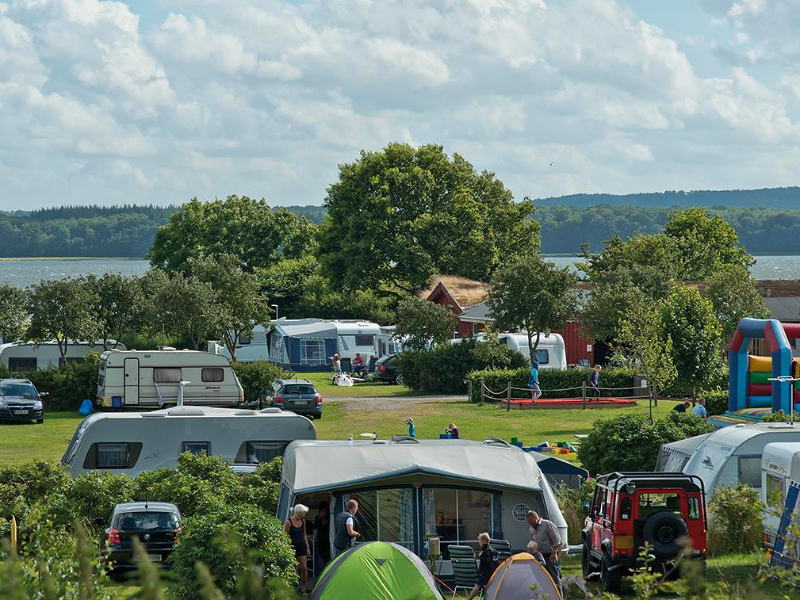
(757, 384)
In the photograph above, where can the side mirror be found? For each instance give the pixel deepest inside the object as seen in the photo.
(44, 394)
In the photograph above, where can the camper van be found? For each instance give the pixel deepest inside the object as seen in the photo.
(26, 356)
(551, 353)
(408, 489)
(249, 348)
(733, 454)
(780, 466)
(151, 379)
(129, 443)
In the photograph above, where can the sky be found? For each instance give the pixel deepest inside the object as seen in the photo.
(159, 101)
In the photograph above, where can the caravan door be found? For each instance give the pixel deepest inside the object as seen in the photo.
(131, 381)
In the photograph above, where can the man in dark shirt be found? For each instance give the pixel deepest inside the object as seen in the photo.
(346, 524)
(682, 407)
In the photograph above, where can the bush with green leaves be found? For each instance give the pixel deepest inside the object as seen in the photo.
(775, 417)
(572, 502)
(444, 368)
(630, 442)
(716, 401)
(219, 538)
(256, 376)
(68, 386)
(734, 520)
(554, 383)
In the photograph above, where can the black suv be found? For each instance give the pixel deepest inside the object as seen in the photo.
(156, 524)
(297, 395)
(20, 401)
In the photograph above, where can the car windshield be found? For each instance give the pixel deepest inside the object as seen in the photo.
(146, 521)
(299, 389)
(24, 390)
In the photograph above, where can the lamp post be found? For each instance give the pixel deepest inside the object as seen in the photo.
(790, 380)
(275, 306)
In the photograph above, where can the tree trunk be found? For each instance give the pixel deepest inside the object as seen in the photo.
(531, 346)
(231, 343)
(62, 349)
(196, 341)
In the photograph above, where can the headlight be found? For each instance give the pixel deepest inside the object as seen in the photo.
(37, 405)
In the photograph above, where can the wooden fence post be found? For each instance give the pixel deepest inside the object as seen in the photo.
(483, 391)
(583, 403)
(508, 397)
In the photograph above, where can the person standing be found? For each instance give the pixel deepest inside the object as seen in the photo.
(700, 409)
(412, 431)
(546, 536)
(346, 524)
(295, 527)
(594, 383)
(487, 563)
(337, 364)
(322, 526)
(533, 382)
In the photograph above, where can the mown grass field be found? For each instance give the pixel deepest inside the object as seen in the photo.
(376, 389)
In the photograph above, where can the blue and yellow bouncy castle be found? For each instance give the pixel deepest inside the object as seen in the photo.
(753, 384)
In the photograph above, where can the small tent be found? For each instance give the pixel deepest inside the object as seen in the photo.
(375, 571)
(520, 577)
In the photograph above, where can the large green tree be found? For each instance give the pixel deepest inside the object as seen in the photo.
(285, 283)
(398, 216)
(534, 295)
(609, 306)
(733, 294)
(248, 229)
(61, 310)
(13, 311)
(688, 320)
(120, 305)
(420, 322)
(239, 302)
(185, 306)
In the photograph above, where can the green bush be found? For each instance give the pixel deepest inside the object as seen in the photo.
(554, 383)
(67, 386)
(630, 442)
(775, 417)
(572, 502)
(256, 376)
(212, 538)
(719, 381)
(735, 520)
(444, 368)
(716, 401)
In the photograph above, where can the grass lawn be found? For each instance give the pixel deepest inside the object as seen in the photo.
(322, 381)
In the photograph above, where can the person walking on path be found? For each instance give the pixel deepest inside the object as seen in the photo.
(594, 383)
(412, 431)
(700, 409)
(545, 534)
(346, 524)
(533, 382)
(295, 527)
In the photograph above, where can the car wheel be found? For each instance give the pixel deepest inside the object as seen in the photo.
(40, 421)
(663, 531)
(610, 580)
(399, 379)
(586, 564)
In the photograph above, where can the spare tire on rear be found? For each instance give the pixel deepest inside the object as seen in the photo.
(662, 531)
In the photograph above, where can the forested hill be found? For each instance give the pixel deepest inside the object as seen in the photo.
(129, 230)
(788, 197)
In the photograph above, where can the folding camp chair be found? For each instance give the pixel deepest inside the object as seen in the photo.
(503, 548)
(347, 365)
(465, 568)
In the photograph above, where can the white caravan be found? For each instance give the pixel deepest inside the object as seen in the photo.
(132, 442)
(733, 454)
(24, 356)
(551, 353)
(151, 379)
(780, 466)
(249, 349)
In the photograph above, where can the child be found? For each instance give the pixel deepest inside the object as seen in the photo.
(594, 383)
(487, 563)
(533, 550)
(412, 431)
(453, 431)
(533, 382)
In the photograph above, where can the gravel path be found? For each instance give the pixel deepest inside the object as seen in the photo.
(390, 403)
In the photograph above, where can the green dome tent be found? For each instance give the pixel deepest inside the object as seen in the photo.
(376, 571)
(521, 576)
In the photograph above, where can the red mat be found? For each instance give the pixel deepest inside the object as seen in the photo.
(569, 403)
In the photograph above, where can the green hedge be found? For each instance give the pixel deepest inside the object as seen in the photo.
(444, 368)
(256, 376)
(550, 379)
(67, 386)
(716, 401)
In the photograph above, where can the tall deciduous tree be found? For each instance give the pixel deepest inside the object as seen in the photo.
(249, 229)
(733, 293)
(120, 305)
(61, 310)
(239, 302)
(534, 295)
(186, 306)
(688, 320)
(13, 311)
(420, 322)
(609, 306)
(398, 216)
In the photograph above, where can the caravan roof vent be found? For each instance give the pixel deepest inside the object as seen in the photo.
(244, 413)
(780, 426)
(404, 439)
(185, 411)
(272, 410)
(165, 348)
(155, 413)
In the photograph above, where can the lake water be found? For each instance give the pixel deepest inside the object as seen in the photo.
(23, 273)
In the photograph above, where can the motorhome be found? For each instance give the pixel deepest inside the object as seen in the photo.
(151, 379)
(132, 442)
(780, 466)
(250, 348)
(409, 489)
(25, 356)
(551, 353)
(733, 454)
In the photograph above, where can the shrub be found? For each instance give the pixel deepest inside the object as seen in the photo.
(256, 376)
(213, 539)
(572, 502)
(718, 381)
(444, 368)
(735, 520)
(775, 417)
(630, 442)
(67, 386)
(554, 383)
(716, 401)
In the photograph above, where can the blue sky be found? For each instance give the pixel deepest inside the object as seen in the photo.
(160, 101)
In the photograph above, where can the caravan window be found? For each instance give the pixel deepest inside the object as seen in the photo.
(112, 455)
(365, 340)
(750, 471)
(775, 490)
(387, 516)
(258, 452)
(212, 374)
(162, 375)
(542, 356)
(244, 340)
(456, 516)
(312, 352)
(21, 363)
(197, 447)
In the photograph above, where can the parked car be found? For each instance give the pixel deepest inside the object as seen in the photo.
(20, 401)
(631, 509)
(297, 395)
(156, 525)
(387, 369)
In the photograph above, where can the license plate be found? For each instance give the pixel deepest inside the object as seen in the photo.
(21, 412)
(299, 402)
(154, 557)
